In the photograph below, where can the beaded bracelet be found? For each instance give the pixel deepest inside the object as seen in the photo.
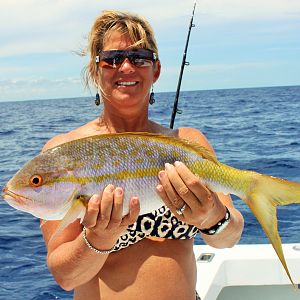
(92, 247)
(220, 226)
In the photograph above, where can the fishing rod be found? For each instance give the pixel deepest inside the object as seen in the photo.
(183, 64)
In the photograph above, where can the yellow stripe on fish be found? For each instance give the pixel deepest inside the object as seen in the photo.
(122, 175)
(70, 173)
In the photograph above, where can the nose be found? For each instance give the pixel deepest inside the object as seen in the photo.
(127, 67)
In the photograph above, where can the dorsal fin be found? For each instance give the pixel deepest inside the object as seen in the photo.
(192, 146)
(200, 150)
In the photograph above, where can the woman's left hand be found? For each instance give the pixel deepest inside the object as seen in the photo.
(188, 199)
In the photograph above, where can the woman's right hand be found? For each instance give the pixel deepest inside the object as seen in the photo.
(104, 217)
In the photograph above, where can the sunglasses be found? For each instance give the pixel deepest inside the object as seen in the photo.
(114, 58)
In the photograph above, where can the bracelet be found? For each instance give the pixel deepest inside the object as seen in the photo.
(220, 226)
(92, 247)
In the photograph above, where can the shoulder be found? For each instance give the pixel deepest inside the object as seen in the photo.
(80, 132)
(57, 140)
(64, 138)
(194, 135)
(187, 133)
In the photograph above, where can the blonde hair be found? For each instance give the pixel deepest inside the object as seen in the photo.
(138, 29)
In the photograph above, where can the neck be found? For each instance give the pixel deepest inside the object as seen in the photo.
(124, 123)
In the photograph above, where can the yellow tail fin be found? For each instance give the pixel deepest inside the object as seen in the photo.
(266, 193)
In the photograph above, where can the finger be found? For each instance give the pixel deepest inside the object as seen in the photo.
(117, 208)
(91, 215)
(106, 206)
(180, 186)
(134, 211)
(170, 192)
(163, 195)
(201, 192)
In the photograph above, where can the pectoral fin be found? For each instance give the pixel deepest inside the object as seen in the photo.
(77, 210)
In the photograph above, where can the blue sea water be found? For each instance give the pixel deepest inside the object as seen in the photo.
(256, 129)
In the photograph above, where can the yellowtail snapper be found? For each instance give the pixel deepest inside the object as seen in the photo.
(56, 184)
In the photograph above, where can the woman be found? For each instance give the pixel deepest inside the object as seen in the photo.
(112, 257)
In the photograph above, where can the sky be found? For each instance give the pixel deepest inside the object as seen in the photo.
(234, 44)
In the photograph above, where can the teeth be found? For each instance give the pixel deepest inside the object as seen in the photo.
(127, 82)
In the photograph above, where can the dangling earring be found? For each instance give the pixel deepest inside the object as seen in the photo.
(97, 100)
(151, 99)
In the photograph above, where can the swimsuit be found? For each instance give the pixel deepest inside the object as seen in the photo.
(159, 223)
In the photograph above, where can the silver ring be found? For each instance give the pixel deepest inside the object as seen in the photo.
(181, 209)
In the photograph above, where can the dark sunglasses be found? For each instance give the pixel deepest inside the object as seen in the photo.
(114, 58)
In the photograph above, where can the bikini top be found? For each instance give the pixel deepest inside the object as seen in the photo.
(159, 223)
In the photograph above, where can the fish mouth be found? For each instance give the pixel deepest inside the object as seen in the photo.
(12, 196)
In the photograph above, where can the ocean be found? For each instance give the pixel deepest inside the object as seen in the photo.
(255, 129)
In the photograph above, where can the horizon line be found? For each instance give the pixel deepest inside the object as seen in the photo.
(162, 92)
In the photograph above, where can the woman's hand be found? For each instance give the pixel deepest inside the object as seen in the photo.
(181, 190)
(104, 217)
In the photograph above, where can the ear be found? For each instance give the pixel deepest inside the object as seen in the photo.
(156, 71)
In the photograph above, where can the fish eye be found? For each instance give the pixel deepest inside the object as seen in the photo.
(36, 180)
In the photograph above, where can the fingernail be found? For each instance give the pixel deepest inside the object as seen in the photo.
(161, 174)
(177, 163)
(168, 166)
(95, 199)
(119, 191)
(159, 188)
(134, 200)
(110, 188)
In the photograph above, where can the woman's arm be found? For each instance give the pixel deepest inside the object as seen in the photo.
(70, 260)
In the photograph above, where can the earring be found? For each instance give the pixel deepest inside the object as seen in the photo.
(97, 100)
(151, 99)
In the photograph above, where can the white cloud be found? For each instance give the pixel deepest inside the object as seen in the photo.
(40, 88)
(216, 68)
(60, 25)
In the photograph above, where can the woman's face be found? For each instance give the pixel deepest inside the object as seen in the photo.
(127, 85)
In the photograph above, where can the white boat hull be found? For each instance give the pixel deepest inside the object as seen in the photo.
(247, 272)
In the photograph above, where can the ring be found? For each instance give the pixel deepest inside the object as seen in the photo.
(181, 209)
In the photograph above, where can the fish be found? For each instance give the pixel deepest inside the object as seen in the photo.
(57, 183)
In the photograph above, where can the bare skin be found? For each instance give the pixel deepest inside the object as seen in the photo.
(153, 268)
(132, 271)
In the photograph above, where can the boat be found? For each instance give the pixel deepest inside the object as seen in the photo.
(247, 272)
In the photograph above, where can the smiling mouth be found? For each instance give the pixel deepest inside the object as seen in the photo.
(127, 83)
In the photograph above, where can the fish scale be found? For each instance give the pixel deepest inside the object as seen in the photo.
(56, 184)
